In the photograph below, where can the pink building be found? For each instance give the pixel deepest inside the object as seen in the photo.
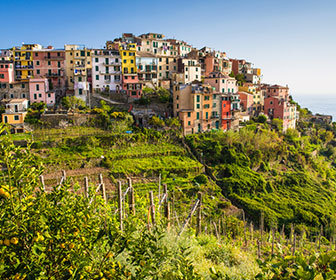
(131, 85)
(221, 82)
(277, 107)
(276, 90)
(6, 71)
(50, 63)
(39, 91)
(246, 101)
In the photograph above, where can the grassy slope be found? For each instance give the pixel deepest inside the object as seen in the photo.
(260, 170)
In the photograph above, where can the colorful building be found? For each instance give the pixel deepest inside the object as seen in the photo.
(15, 113)
(190, 68)
(277, 105)
(130, 80)
(39, 91)
(23, 61)
(15, 90)
(192, 104)
(49, 63)
(106, 70)
(6, 72)
(147, 67)
(78, 71)
(246, 101)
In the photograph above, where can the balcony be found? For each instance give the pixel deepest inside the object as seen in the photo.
(23, 67)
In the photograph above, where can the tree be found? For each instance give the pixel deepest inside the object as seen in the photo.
(72, 103)
(261, 119)
(156, 122)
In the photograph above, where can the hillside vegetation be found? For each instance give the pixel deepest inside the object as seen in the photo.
(291, 178)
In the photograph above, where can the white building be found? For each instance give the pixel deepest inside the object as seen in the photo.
(191, 69)
(106, 70)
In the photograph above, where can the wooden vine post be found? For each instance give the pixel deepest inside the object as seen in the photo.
(86, 187)
(120, 210)
(131, 199)
(42, 182)
(199, 214)
(152, 207)
(166, 205)
(102, 187)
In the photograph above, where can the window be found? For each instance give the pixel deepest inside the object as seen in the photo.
(177, 106)
(189, 114)
(223, 90)
(37, 63)
(97, 68)
(11, 86)
(197, 106)
(16, 118)
(40, 95)
(79, 79)
(37, 87)
(80, 91)
(124, 60)
(49, 63)
(206, 115)
(198, 98)
(88, 53)
(97, 59)
(82, 53)
(58, 64)
(97, 77)
(197, 115)
(22, 85)
(132, 61)
(188, 122)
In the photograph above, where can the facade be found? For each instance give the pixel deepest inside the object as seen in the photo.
(241, 66)
(167, 67)
(78, 70)
(15, 90)
(130, 81)
(147, 67)
(277, 105)
(15, 112)
(226, 87)
(179, 48)
(246, 101)
(190, 68)
(6, 72)
(50, 64)
(106, 70)
(23, 61)
(39, 91)
(193, 105)
(155, 44)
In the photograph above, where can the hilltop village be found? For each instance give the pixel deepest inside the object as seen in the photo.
(204, 88)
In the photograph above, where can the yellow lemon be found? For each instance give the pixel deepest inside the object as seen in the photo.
(14, 240)
(62, 245)
(71, 245)
(6, 242)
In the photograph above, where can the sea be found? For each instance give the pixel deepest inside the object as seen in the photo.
(318, 103)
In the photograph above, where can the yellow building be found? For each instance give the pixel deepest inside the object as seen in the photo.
(15, 113)
(14, 118)
(128, 61)
(23, 61)
(78, 69)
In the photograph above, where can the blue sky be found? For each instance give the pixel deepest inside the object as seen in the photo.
(293, 41)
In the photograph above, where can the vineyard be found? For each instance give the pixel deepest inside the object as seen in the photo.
(138, 206)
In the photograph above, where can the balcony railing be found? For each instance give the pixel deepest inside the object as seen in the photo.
(18, 67)
(54, 75)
